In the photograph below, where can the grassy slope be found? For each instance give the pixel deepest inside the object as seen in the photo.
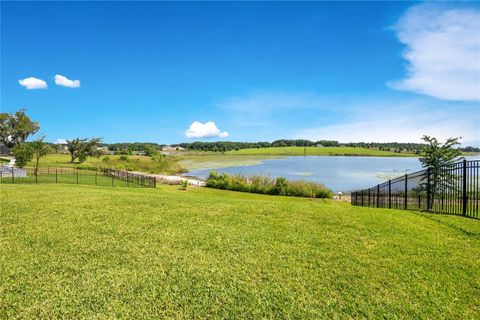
(123, 253)
(168, 165)
(314, 151)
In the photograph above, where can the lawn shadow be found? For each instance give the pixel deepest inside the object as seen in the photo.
(435, 217)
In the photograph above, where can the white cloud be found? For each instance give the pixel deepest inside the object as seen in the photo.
(443, 51)
(205, 130)
(61, 141)
(33, 83)
(65, 82)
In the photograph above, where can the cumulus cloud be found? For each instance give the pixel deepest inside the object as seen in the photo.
(205, 130)
(61, 141)
(442, 51)
(65, 82)
(33, 83)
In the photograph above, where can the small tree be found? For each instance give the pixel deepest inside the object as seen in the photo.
(150, 151)
(15, 128)
(39, 149)
(82, 148)
(23, 153)
(436, 157)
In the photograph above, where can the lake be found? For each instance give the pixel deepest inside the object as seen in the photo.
(338, 173)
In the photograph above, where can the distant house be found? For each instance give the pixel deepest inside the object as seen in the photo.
(104, 150)
(62, 148)
(4, 150)
(172, 148)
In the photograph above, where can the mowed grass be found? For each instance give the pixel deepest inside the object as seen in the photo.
(69, 251)
(319, 151)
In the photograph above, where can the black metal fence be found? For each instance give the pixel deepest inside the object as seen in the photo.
(129, 177)
(104, 177)
(452, 190)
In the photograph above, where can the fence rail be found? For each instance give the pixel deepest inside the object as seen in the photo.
(129, 177)
(104, 177)
(453, 190)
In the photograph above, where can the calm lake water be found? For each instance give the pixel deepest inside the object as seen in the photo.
(337, 173)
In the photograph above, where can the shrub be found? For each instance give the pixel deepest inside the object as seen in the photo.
(23, 153)
(281, 186)
(123, 158)
(265, 185)
(183, 185)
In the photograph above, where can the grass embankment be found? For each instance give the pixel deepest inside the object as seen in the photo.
(70, 251)
(158, 164)
(319, 151)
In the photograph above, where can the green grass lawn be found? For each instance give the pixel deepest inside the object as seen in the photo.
(70, 251)
(316, 151)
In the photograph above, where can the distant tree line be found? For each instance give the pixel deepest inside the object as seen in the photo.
(130, 148)
(230, 145)
(223, 146)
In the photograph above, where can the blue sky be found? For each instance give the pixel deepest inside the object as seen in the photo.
(174, 72)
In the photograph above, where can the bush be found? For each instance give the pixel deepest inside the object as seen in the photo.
(123, 158)
(183, 185)
(23, 153)
(265, 185)
(281, 186)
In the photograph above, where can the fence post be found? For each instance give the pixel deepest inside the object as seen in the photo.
(77, 176)
(405, 199)
(127, 179)
(56, 175)
(95, 178)
(419, 202)
(362, 198)
(36, 176)
(428, 189)
(378, 196)
(389, 194)
(112, 180)
(369, 197)
(464, 187)
(13, 176)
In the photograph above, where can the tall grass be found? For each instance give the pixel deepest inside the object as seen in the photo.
(156, 164)
(266, 185)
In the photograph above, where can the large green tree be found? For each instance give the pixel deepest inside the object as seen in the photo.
(16, 127)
